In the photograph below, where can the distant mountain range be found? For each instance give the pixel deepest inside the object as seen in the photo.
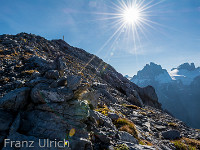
(177, 90)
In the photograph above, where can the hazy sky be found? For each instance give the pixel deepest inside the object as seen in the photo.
(172, 39)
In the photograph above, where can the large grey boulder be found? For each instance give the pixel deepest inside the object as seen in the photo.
(41, 93)
(42, 64)
(125, 136)
(15, 100)
(102, 119)
(171, 134)
(55, 120)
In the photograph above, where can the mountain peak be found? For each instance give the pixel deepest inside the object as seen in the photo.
(151, 70)
(186, 66)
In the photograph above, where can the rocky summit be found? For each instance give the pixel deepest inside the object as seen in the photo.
(55, 96)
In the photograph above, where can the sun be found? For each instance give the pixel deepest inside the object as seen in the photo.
(129, 20)
(131, 15)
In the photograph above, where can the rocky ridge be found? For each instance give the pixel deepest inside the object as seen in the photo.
(51, 90)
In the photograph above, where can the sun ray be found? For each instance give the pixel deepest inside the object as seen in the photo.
(130, 17)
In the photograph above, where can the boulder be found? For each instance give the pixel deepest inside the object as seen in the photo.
(102, 119)
(15, 100)
(125, 136)
(171, 134)
(41, 63)
(41, 93)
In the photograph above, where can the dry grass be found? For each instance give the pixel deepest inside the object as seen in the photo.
(132, 106)
(29, 71)
(143, 113)
(145, 142)
(186, 144)
(172, 124)
(104, 110)
(123, 124)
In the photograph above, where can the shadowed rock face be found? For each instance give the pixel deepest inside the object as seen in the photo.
(51, 90)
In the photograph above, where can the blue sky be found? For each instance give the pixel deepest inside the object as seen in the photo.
(174, 41)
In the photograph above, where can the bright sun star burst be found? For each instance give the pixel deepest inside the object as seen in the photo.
(131, 15)
(131, 18)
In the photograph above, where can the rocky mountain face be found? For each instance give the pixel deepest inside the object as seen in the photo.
(178, 90)
(51, 91)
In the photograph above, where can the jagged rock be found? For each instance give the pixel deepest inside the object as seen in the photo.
(16, 99)
(102, 119)
(73, 82)
(124, 136)
(52, 74)
(41, 93)
(171, 134)
(41, 63)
